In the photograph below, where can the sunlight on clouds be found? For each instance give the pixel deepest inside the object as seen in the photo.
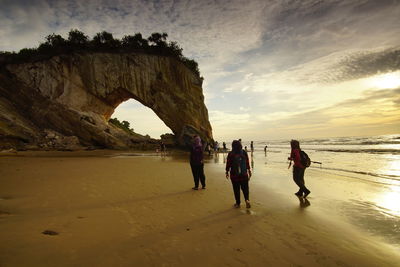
(232, 122)
(388, 80)
(369, 113)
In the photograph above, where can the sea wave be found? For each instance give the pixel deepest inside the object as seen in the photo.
(369, 151)
(344, 141)
(384, 176)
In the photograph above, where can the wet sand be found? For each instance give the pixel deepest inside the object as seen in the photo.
(140, 211)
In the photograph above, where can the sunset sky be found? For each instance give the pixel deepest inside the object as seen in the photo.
(272, 68)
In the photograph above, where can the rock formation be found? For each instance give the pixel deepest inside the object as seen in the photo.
(68, 99)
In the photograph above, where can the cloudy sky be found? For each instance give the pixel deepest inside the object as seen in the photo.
(272, 68)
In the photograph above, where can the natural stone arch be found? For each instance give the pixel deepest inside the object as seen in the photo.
(94, 84)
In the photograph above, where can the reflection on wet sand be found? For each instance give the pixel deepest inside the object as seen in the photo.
(252, 160)
(304, 202)
(390, 201)
(373, 218)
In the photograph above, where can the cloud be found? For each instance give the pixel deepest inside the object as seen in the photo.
(365, 63)
(377, 110)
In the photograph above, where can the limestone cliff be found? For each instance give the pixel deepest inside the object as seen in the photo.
(73, 96)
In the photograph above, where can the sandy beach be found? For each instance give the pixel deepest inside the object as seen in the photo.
(122, 209)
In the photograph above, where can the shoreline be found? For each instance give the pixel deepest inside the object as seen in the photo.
(141, 210)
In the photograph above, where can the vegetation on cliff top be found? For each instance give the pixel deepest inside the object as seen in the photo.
(155, 44)
(124, 125)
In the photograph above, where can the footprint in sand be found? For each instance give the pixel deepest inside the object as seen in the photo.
(49, 232)
(4, 213)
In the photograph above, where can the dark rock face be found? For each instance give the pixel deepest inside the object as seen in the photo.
(66, 101)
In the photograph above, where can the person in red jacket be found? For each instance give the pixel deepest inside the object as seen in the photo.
(197, 164)
(298, 169)
(238, 169)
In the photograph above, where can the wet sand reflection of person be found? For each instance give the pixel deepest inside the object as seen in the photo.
(304, 202)
(216, 157)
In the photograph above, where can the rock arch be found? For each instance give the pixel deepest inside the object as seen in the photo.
(92, 85)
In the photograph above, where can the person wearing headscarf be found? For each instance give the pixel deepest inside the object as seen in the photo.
(298, 169)
(197, 164)
(238, 170)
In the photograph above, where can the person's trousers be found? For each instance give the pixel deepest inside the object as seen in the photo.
(198, 175)
(298, 178)
(237, 185)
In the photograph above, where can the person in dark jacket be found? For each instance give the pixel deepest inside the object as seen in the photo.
(197, 164)
(298, 169)
(238, 170)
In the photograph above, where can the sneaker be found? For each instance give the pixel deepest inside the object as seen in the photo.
(195, 188)
(203, 187)
(248, 206)
(236, 205)
(306, 194)
(298, 194)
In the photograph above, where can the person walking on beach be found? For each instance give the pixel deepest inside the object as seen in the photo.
(197, 164)
(251, 146)
(162, 148)
(238, 170)
(298, 169)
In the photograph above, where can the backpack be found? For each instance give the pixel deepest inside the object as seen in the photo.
(305, 159)
(239, 166)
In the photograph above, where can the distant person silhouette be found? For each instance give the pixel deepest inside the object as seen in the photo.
(238, 170)
(208, 149)
(197, 164)
(216, 147)
(162, 148)
(298, 169)
(251, 146)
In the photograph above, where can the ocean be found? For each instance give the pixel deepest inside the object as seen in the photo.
(374, 159)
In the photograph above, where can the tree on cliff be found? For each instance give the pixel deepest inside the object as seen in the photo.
(159, 39)
(77, 38)
(103, 41)
(135, 41)
(124, 125)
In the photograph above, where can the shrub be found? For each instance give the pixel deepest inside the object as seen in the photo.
(55, 44)
(124, 125)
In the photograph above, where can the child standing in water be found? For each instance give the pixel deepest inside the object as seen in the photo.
(298, 169)
(238, 169)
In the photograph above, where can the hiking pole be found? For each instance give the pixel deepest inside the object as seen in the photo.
(317, 162)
